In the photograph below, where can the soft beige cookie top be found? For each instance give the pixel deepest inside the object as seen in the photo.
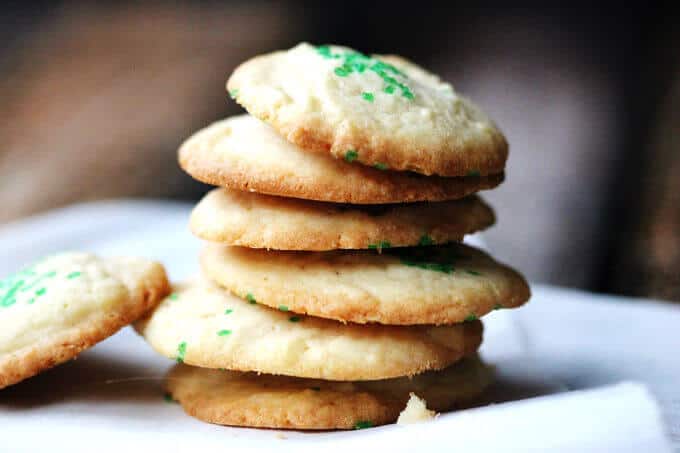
(202, 325)
(233, 217)
(428, 285)
(266, 401)
(383, 111)
(245, 154)
(51, 311)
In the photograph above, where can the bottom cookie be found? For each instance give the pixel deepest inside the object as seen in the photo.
(267, 401)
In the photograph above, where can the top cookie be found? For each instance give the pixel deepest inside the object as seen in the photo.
(381, 111)
(244, 153)
(51, 311)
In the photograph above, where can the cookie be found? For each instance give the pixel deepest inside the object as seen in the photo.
(380, 111)
(233, 217)
(265, 401)
(420, 285)
(245, 154)
(51, 311)
(203, 325)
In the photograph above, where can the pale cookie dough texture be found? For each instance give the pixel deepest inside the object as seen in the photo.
(203, 325)
(416, 411)
(245, 154)
(51, 311)
(381, 111)
(265, 401)
(424, 285)
(237, 218)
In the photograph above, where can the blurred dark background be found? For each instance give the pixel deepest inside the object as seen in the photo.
(96, 97)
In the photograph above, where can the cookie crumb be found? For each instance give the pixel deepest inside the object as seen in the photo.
(416, 411)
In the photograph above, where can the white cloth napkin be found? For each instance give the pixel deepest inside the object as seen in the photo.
(576, 371)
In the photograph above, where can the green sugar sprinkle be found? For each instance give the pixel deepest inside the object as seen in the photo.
(425, 240)
(498, 307)
(363, 424)
(380, 245)
(250, 298)
(173, 296)
(351, 155)
(472, 272)
(367, 96)
(228, 310)
(181, 351)
(471, 317)
(437, 267)
(473, 173)
(168, 398)
(356, 62)
(233, 94)
(295, 319)
(224, 332)
(429, 258)
(316, 389)
(23, 281)
(73, 275)
(380, 166)
(283, 308)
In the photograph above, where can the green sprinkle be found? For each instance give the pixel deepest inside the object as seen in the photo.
(473, 173)
(363, 424)
(380, 166)
(250, 298)
(433, 259)
(233, 94)
(324, 51)
(73, 275)
(224, 332)
(472, 272)
(357, 62)
(228, 310)
(351, 155)
(283, 308)
(425, 240)
(380, 245)
(471, 317)
(498, 307)
(173, 296)
(367, 96)
(438, 267)
(316, 389)
(341, 72)
(40, 292)
(181, 351)
(168, 398)
(295, 319)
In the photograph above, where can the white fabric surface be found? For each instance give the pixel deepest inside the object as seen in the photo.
(576, 371)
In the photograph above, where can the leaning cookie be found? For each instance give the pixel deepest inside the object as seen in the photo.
(244, 153)
(420, 285)
(265, 401)
(203, 325)
(233, 217)
(384, 111)
(51, 311)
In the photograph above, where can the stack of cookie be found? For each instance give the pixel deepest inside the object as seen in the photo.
(333, 272)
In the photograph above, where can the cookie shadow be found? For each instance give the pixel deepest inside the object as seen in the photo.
(90, 377)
